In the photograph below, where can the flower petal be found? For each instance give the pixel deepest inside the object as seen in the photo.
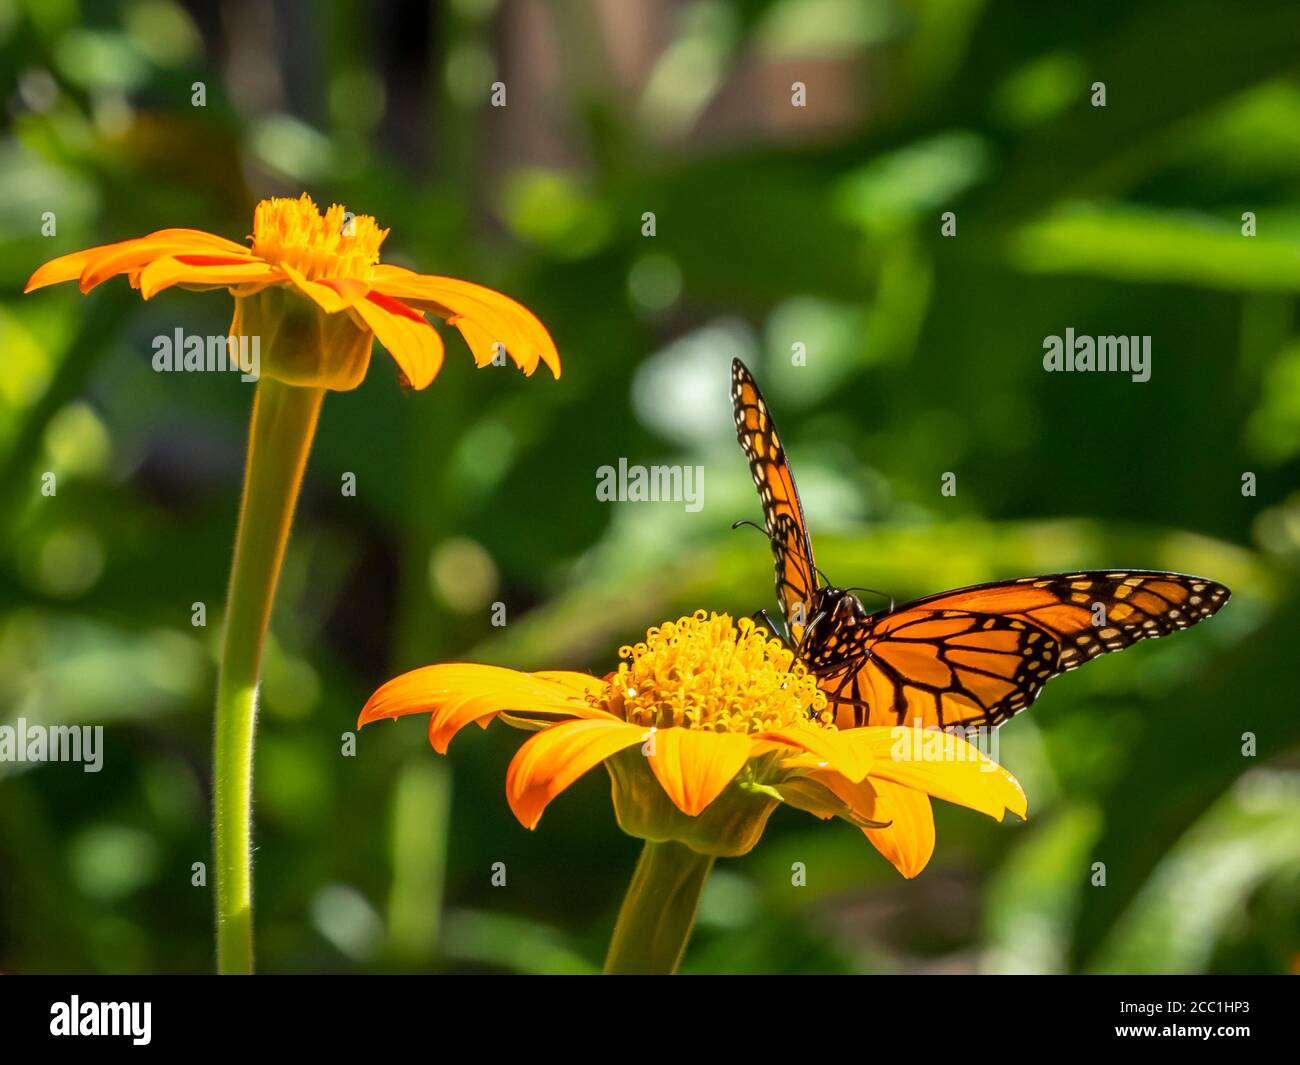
(484, 316)
(331, 296)
(841, 751)
(98, 264)
(695, 766)
(811, 796)
(482, 342)
(583, 683)
(556, 757)
(413, 343)
(168, 271)
(859, 799)
(458, 693)
(943, 765)
(908, 842)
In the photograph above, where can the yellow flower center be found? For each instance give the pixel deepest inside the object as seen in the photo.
(336, 244)
(705, 671)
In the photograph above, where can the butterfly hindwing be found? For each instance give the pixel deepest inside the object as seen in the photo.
(796, 574)
(939, 668)
(977, 656)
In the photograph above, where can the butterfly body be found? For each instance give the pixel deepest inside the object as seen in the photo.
(966, 658)
(829, 636)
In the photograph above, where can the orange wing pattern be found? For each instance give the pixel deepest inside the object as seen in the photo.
(796, 574)
(979, 655)
(968, 658)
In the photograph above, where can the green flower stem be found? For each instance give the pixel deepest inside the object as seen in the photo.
(658, 911)
(279, 439)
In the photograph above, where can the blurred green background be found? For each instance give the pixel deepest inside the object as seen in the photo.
(775, 226)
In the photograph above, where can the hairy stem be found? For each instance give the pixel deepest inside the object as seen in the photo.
(279, 440)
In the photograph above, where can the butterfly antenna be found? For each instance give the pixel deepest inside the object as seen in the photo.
(752, 525)
(876, 591)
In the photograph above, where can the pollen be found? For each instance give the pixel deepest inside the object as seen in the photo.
(706, 671)
(337, 244)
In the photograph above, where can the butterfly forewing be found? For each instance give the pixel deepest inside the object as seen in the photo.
(796, 574)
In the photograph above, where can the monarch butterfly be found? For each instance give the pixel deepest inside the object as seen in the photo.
(971, 657)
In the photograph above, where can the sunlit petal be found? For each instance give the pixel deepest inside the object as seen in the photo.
(694, 767)
(164, 273)
(908, 842)
(840, 751)
(94, 265)
(413, 343)
(556, 757)
(484, 316)
(942, 765)
(331, 295)
(458, 693)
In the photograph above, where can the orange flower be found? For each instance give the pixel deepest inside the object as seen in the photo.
(312, 295)
(313, 288)
(705, 728)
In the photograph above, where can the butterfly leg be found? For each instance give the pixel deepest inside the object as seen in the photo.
(762, 615)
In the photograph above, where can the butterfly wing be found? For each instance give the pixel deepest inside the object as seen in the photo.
(979, 655)
(796, 574)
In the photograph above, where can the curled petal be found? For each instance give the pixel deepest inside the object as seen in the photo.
(482, 342)
(458, 693)
(897, 820)
(484, 316)
(556, 757)
(694, 767)
(413, 343)
(164, 273)
(859, 801)
(908, 841)
(98, 264)
(807, 794)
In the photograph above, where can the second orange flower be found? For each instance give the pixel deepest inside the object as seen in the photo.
(312, 287)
